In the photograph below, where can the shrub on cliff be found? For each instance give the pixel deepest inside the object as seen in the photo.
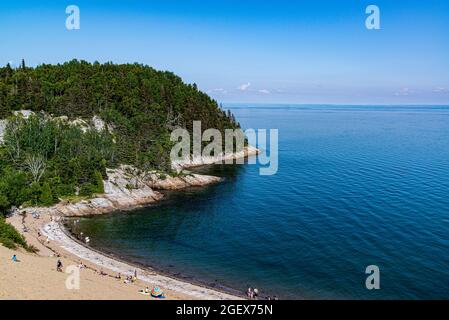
(10, 237)
(46, 197)
(14, 188)
(99, 185)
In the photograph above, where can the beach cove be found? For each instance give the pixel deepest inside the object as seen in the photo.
(43, 229)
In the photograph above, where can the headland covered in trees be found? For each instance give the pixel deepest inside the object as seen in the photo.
(85, 138)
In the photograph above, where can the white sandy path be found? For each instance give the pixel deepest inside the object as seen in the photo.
(54, 232)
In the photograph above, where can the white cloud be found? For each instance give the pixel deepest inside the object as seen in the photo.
(404, 92)
(264, 91)
(441, 90)
(244, 86)
(218, 90)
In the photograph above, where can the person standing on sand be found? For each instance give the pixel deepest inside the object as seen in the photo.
(14, 258)
(250, 293)
(59, 266)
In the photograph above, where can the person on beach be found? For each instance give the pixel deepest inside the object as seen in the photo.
(128, 280)
(255, 293)
(250, 293)
(59, 266)
(14, 258)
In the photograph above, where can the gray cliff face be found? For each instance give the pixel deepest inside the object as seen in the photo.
(125, 188)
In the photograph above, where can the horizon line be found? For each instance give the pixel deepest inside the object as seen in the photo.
(340, 104)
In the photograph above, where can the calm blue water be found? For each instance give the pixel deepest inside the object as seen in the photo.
(356, 186)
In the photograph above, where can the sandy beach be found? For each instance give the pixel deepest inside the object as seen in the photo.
(35, 275)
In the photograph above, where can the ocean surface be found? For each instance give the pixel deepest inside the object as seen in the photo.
(356, 186)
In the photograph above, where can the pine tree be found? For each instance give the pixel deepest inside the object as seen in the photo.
(8, 70)
(99, 185)
(46, 197)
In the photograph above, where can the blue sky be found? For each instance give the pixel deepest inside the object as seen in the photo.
(251, 51)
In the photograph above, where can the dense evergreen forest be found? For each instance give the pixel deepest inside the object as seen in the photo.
(44, 159)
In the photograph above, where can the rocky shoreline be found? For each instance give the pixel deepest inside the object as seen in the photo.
(123, 193)
(202, 161)
(127, 188)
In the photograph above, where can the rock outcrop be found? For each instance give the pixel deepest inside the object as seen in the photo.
(126, 188)
(180, 182)
(201, 161)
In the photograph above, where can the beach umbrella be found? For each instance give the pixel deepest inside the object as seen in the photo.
(157, 292)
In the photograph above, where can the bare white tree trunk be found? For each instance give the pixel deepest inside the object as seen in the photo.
(36, 165)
